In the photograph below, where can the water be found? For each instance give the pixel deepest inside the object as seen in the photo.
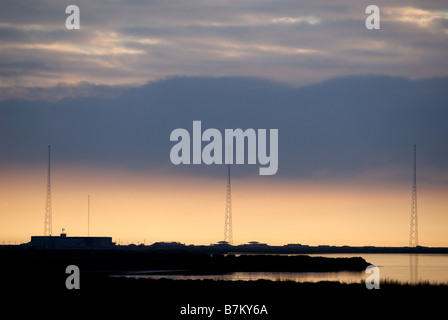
(432, 268)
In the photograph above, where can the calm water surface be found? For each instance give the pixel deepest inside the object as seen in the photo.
(431, 268)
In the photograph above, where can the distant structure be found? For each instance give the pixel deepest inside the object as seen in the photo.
(64, 242)
(413, 237)
(167, 245)
(228, 233)
(88, 215)
(48, 225)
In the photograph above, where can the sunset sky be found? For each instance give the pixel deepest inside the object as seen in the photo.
(349, 104)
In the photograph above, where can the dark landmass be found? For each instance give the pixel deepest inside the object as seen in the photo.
(35, 279)
(286, 249)
(117, 261)
(223, 247)
(128, 298)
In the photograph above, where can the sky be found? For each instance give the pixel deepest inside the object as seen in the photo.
(349, 104)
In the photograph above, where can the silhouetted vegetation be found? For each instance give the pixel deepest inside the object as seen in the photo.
(35, 277)
(113, 261)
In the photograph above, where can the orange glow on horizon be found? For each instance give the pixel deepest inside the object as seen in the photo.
(142, 208)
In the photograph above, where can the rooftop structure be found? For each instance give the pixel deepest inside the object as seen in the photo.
(64, 242)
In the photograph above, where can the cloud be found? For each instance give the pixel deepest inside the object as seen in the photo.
(299, 42)
(289, 20)
(426, 19)
(88, 89)
(338, 129)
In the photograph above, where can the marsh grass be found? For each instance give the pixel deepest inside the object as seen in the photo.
(420, 283)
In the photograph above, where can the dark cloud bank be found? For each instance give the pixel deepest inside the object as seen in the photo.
(339, 128)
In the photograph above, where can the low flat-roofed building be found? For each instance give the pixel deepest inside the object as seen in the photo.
(64, 242)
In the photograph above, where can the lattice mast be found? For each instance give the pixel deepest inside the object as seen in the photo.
(228, 233)
(88, 215)
(48, 226)
(413, 237)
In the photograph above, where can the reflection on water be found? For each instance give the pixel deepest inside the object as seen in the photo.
(412, 268)
(409, 268)
(344, 277)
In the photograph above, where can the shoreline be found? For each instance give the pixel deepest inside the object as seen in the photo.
(131, 260)
(259, 248)
(164, 298)
(104, 296)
